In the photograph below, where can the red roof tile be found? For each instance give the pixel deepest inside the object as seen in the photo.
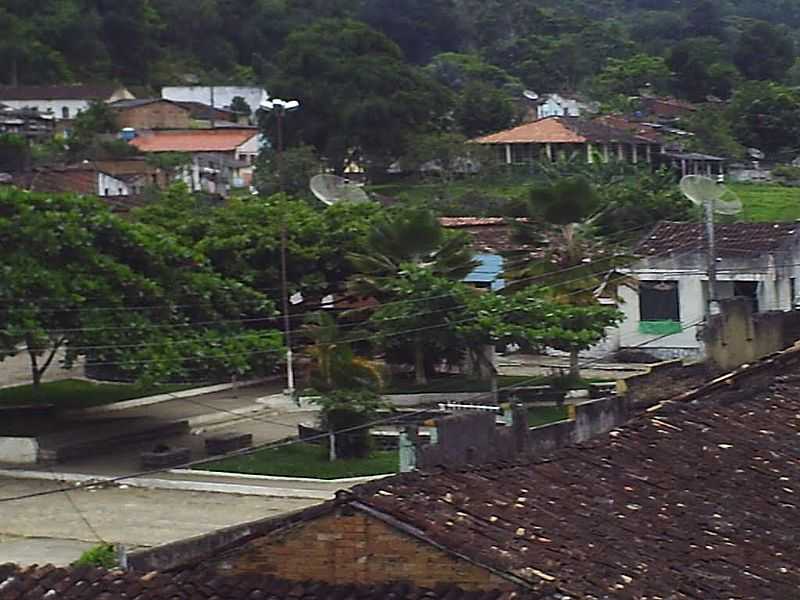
(87, 583)
(693, 500)
(195, 140)
(734, 239)
(561, 130)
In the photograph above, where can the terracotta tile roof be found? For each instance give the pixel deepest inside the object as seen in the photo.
(59, 181)
(491, 235)
(696, 499)
(195, 140)
(561, 130)
(639, 129)
(732, 239)
(86, 583)
(58, 92)
(137, 102)
(205, 112)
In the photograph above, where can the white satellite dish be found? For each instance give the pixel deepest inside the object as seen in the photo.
(530, 95)
(331, 189)
(702, 190)
(756, 153)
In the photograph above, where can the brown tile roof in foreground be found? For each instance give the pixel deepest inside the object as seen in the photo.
(58, 92)
(195, 140)
(87, 583)
(697, 498)
(490, 235)
(732, 239)
(562, 130)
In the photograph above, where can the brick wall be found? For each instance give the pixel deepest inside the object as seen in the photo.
(351, 547)
(157, 115)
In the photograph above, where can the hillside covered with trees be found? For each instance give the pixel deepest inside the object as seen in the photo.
(373, 74)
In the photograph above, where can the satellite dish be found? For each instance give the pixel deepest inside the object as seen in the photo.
(702, 190)
(331, 189)
(530, 95)
(756, 153)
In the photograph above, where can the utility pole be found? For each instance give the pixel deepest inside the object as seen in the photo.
(711, 249)
(280, 108)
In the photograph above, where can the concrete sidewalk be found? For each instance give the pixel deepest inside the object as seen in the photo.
(50, 529)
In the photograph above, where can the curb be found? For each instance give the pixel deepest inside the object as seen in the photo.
(247, 476)
(157, 399)
(170, 484)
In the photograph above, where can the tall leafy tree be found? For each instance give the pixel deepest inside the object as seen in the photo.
(127, 296)
(360, 100)
(562, 257)
(764, 52)
(409, 235)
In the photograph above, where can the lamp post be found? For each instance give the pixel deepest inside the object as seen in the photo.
(279, 108)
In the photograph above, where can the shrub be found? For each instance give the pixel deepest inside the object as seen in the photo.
(102, 555)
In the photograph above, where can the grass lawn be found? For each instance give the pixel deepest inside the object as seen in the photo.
(467, 196)
(768, 202)
(306, 460)
(76, 393)
(542, 415)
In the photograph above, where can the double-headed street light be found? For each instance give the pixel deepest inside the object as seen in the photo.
(279, 108)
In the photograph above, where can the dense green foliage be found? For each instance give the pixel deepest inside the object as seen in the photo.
(371, 74)
(128, 296)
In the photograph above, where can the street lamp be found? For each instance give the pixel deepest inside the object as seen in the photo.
(279, 108)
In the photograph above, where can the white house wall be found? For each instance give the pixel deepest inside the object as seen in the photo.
(111, 186)
(223, 95)
(56, 107)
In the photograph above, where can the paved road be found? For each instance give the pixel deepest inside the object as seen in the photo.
(50, 529)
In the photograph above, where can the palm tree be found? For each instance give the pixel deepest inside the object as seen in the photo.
(349, 386)
(558, 251)
(410, 235)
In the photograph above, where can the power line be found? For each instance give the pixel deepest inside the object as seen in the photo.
(83, 349)
(261, 301)
(277, 445)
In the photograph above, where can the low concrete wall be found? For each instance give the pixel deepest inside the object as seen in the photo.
(424, 399)
(19, 450)
(736, 336)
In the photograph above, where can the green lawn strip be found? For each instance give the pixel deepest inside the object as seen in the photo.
(543, 415)
(76, 393)
(306, 460)
(768, 202)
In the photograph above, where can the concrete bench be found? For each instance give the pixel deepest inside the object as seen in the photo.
(228, 442)
(171, 457)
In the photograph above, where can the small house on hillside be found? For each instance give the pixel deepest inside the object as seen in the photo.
(758, 261)
(555, 105)
(84, 179)
(27, 122)
(218, 96)
(555, 138)
(151, 113)
(220, 159)
(490, 237)
(62, 101)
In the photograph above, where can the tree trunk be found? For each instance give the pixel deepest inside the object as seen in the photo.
(419, 361)
(574, 365)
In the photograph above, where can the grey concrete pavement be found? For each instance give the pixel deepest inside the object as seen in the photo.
(49, 528)
(16, 370)
(29, 551)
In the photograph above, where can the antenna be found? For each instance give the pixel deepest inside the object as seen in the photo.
(530, 95)
(714, 198)
(331, 189)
